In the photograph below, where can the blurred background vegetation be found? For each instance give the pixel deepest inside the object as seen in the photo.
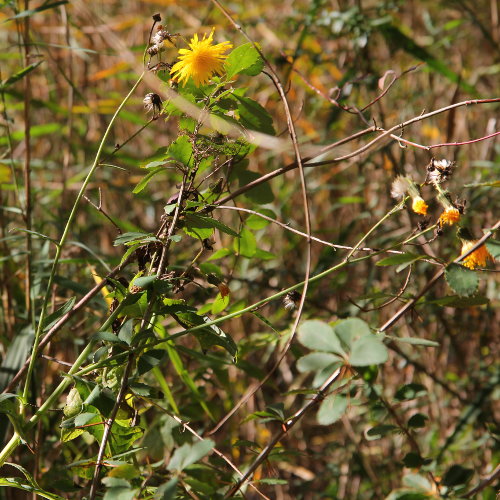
(322, 50)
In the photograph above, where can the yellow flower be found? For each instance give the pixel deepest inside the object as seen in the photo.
(478, 258)
(201, 61)
(450, 216)
(419, 206)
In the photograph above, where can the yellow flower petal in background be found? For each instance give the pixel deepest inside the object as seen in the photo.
(201, 61)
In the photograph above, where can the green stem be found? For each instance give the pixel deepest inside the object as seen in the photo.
(62, 241)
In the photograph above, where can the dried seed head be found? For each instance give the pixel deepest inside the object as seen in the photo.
(152, 102)
(291, 300)
(399, 187)
(439, 171)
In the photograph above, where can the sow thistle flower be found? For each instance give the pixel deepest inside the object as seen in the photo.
(402, 185)
(479, 257)
(451, 214)
(201, 61)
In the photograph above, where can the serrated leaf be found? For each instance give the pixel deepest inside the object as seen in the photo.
(244, 59)
(319, 336)
(368, 351)
(181, 150)
(331, 409)
(461, 280)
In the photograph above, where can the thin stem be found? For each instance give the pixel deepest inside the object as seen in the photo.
(54, 396)
(64, 236)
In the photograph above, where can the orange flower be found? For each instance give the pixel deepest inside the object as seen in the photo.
(419, 206)
(478, 258)
(450, 216)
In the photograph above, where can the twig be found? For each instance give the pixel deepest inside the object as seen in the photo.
(298, 160)
(101, 210)
(485, 482)
(65, 318)
(284, 430)
(389, 323)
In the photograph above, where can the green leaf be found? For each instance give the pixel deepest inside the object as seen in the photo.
(417, 481)
(246, 244)
(220, 303)
(167, 491)
(413, 341)
(256, 222)
(461, 280)
(456, 301)
(316, 361)
(350, 329)
(181, 150)
(413, 460)
(319, 336)
(52, 319)
(196, 227)
(411, 391)
(271, 481)
(145, 281)
(457, 475)
(20, 74)
(260, 194)
(30, 12)
(417, 421)
(493, 247)
(188, 454)
(149, 360)
(202, 221)
(368, 351)
(253, 116)
(331, 409)
(245, 60)
(128, 238)
(107, 337)
(16, 482)
(118, 489)
(379, 431)
(145, 180)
